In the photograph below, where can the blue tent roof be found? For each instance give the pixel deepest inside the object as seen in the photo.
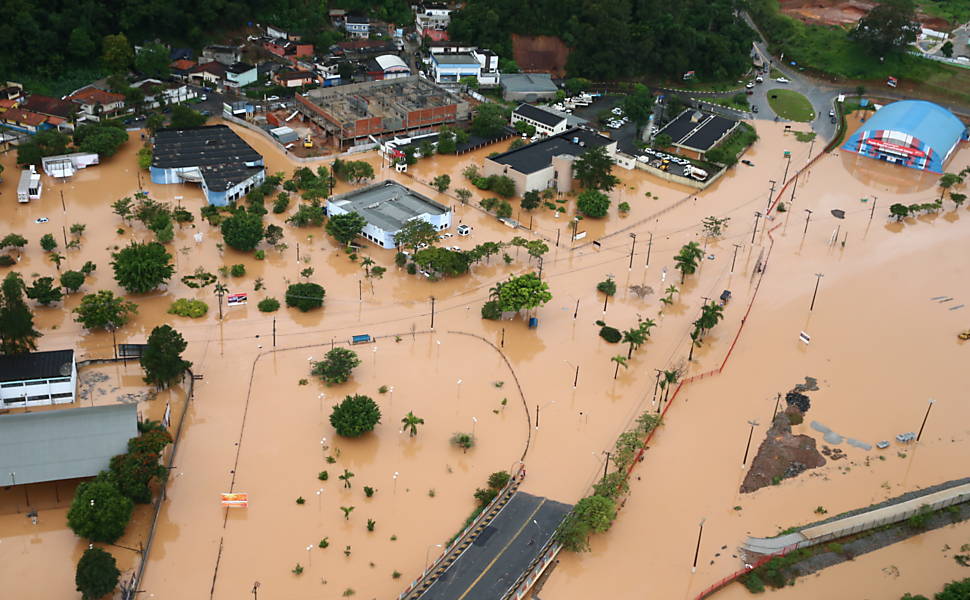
(932, 124)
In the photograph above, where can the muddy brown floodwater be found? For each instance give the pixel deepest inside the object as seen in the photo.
(879, 349)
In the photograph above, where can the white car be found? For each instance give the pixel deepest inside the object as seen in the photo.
(617, 111)
(445, 236)
(463, 230)
(782, 80)
(273, 98)
(455, 248)
(422, 246)
(749, 85)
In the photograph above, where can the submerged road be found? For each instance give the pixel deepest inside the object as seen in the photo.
(502, 552)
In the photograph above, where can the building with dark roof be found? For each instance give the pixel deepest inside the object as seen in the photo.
(239, 74)
(213, 156)
(545, 122)
(912, 133)
(697, 132)
(53, 107)
(527, 87)
(387, 206)
(547, 163)
(51, 445)
(37, 379)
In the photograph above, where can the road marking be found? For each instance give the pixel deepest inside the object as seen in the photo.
(502, 551)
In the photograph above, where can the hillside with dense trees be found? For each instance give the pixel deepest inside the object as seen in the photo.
(619, 39)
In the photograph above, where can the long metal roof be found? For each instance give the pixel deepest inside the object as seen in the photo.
(51, 445)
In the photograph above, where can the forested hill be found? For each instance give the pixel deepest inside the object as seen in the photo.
(47, 38)
(618, 39)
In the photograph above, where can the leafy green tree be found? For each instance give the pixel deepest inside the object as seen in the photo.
(97, 573)
(123, 208)
(663, 141)
(305, 296)
(103, 139)
(955, 590)
(116, 53)
(714, 226)
(637, 336)
(80, 46)
(947, 181)
(889, 26)
(441, 182)
(594, 170)
(947, 49)
(154, 122)
(184, 117)
(522, 292)
(344, 228)
(958, 199)
(44, 291)
(336, 366)
(593, 514)
(502, 185)
(900, 211)
(45, 143)
(607, 286)
(162, 358)
(414, 233)
(463, 194)
(442, 260)
(13, 240)
(465, 441)
(153, 60)
(688, 259)
(346, 476)
(410, 424)
(72, 281)
(99, 512)
(17, 333)
(48, 243)
(593, 204)
(103, 310)
(308, 215)
(242, 231)
(531, 200)
(490, 120)
(638, 105)
(141, 268)
(355, 416)
(133, 472)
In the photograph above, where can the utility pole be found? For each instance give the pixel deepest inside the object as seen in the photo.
(794, 185)
(502, 343)
(649, 247)
(576, 377)
(274, 332)
(771, 194)
(788, 164)
(873, 211)
(656, 385)
(360, 290)
(744, 461)
(807, 218)
(63, 206)
(298, 252)
(815, 293)
(64, 231)
(920, 434)
(736, 246)
(576, 312)
(432, 312)
(606, 465)
(632, 248)
(558, 233)
(698, 549)
(757, 216)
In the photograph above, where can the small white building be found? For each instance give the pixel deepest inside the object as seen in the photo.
(357, 27)
(388, 66)
(451, 66)
(432, 17)
(66, 165)
(157, 91)
(30, 187)
(387, 206)
(546, 123)
(239, 74)
(37, 379)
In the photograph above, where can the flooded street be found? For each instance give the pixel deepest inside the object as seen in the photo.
(879, 349)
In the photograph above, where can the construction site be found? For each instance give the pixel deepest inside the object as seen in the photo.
(352, 113)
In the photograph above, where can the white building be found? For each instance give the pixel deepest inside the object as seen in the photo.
(387, 206)
(357, 27)
(432, 17)
(240, 74)
(66, 165)
(388, 66)
(450, 67)
(157, 91)
(37, 379)
(546, 123)
(29, 187)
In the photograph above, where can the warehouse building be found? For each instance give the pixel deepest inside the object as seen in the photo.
(37, 379)
(387, 206)
(912, 133)
(695, 132)
(213, 156)
(352, 113)
(527, 87)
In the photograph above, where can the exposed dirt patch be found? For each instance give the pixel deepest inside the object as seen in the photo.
(783, 455)
(540, 53)
(843, 12)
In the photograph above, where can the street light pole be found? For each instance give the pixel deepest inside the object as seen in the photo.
(807, 218)
(757, 217)
(771, 194)
(656, 385)
(432, 312)
(697, 550)
(928, 407)
(736, 246)
(606, 465)
(818, 279)
(747, 447)
(632, 248)
(649, 247)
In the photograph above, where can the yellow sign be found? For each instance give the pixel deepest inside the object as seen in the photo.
(235, 500)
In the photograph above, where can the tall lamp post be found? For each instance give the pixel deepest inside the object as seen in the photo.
(747, 447)
(818, 279)
(697, 550)
(632, 249)
(926, 416)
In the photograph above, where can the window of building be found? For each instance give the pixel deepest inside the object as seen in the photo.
(62, 395)
(59, 380)
(12, 384)
(39, 398)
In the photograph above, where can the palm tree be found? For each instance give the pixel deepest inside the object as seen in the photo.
(347, 475)
(619, 359)
(56, 259)
(366, 262)
(669, 379)
(711, 315)
(947, 181)
(687, 259)
(347, 510)
(220, 290)
(411, 423)
(669, 298)
(694, 339)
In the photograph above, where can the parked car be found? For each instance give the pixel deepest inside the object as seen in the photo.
(463, 230)
(455, 248)
(749, 85)
(783, 80)
(831, 113)
(747, 162)
(754, 108)
(833, 120)
(759, 79)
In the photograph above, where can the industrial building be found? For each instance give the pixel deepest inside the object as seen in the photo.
(52, 445)
(547, 163)
(695, 132)
(213, 156)
(387, 206)
(912, 133)
(354, 112)
(545, 122)
(30, 186)
(37, 379)
(66, 165)
(527, 87)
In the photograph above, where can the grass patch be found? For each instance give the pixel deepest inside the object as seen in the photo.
(61, 82)
(727, 151)
(804, 136)
(791, 105)
(954, 11)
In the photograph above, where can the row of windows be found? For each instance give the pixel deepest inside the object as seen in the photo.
(14, 384)
(38, 398)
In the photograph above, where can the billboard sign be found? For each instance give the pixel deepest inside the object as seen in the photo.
(894, 148)
(235, 299)
(235, 500)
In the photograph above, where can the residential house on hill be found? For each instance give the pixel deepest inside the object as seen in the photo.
(226, 55)
(52, 107)
(240, 74)
(358, 27)
(286, 48)
(95, 102)
(289, 78)
(182, 68)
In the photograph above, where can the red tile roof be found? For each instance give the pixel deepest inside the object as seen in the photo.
(47, 105)
(215, 68)
(183, 65)
(5, 104)
(25, 117)
(93, 95)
